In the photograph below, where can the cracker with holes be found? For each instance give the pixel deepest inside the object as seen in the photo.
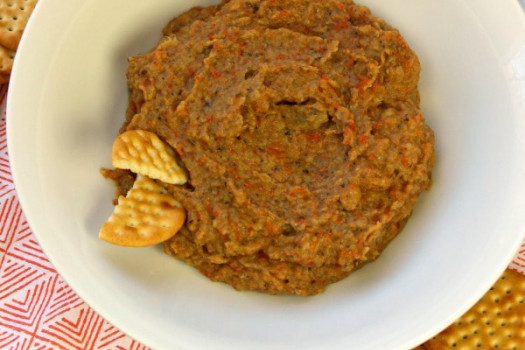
(146, 216)
(497, 321)
(145, 153)
(14, 15)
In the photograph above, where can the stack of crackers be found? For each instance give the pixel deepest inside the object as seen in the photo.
(14, 15)
(147, 214)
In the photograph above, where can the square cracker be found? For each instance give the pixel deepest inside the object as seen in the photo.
(496, 321)
(14, 15)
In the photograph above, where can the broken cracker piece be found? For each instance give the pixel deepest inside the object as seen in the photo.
(146, 216)
(144, 153)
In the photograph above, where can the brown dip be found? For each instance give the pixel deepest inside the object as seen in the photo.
(300, 127)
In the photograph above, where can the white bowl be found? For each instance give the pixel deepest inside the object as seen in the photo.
(67, 99)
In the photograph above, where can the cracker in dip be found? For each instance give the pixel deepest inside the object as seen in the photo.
(299, 125)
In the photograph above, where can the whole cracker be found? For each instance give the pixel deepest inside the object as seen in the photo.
(497, 321)
(14, 15)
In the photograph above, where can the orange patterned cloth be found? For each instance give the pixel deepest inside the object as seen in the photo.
(38, 310)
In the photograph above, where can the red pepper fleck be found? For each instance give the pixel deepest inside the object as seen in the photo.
(405, 161)
(280, 269)
(238, 236)
(207, 274)
(348, 136)
(248, 186)
(160, 54)
(300, 190)
(198, 78)
(362, 83)
(210, 119)
(345, 254)
(235, 266)
(276, 151)
(364, 139)
(216, 74)
(314, 137)
(283, 13)
(353, 127)
(339, 25)
(271, 228)
(406, 66)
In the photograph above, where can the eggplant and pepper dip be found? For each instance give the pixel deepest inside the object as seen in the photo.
(298, 123)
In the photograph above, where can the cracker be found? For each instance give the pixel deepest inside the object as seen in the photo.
(6, 60)
(14, 15)
(146, 216)
(497, 321)
(144, 153)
